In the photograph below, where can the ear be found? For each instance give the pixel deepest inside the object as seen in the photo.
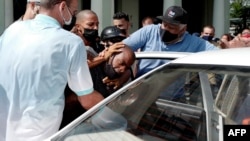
(130, 25)
(33, 4)
(33, 7)
(78, 28)
(77, 31)
(62, 5)
(36, 9)
(184, 29)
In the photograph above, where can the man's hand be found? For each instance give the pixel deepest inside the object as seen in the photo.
(238, 42)
(119, 82)
(115, 83)
(107, 52)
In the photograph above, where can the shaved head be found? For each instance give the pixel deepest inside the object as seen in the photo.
(83, 15)
(128, 54)
(124, 58)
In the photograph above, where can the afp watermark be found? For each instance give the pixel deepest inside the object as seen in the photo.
(241, 132)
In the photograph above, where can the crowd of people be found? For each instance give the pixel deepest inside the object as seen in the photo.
(51, 74)
(226, 40)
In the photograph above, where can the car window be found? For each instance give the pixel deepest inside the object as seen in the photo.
(152, 108)
(234, 99)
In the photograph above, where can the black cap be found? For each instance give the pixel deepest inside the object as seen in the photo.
(175, 15)
(110, 32)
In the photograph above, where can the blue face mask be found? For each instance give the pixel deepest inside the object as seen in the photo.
(208, 38)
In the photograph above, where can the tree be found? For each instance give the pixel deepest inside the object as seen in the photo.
(240, 12)
(236, 9)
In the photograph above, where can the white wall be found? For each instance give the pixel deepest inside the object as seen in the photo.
(2, 19)
(104, 11)
(6, 14)
(131, 7)
(221, 17)
(168, 3)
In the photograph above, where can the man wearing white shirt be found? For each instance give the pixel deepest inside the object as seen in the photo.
(37, 59)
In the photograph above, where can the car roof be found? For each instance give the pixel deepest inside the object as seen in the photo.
(233, 57)
(160, 55)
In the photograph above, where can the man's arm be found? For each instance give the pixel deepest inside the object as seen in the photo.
(95, 61)
(90, 100)
(104, 55)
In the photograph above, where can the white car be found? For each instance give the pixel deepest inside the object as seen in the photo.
(188, 98)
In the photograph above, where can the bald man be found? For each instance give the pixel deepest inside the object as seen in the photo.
(87, 27)
(119, 62)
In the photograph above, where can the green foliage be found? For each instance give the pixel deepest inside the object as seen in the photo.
(240, 15)
(236, 10)
(238, 7)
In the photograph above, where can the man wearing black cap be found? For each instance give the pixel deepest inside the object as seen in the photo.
(171, 35)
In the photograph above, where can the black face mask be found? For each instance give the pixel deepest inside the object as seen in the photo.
(72, 24)
(208, 38)
(90, 34)
(166, 36)
(110, 71)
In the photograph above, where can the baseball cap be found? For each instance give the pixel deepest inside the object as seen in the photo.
(175, 15)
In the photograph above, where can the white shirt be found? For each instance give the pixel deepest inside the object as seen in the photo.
(37, 59)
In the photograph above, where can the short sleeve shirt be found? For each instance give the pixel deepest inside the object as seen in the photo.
(37, 59)
(148, 39)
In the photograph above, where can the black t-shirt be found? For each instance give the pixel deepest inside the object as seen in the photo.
(97, 47)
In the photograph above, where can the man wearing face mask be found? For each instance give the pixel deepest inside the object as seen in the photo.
(68, 27)
(35, 69)
(121, 20)
(87, 24)
(208, 33)
(171, 35)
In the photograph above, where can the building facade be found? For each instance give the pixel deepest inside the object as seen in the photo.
(201, 12)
